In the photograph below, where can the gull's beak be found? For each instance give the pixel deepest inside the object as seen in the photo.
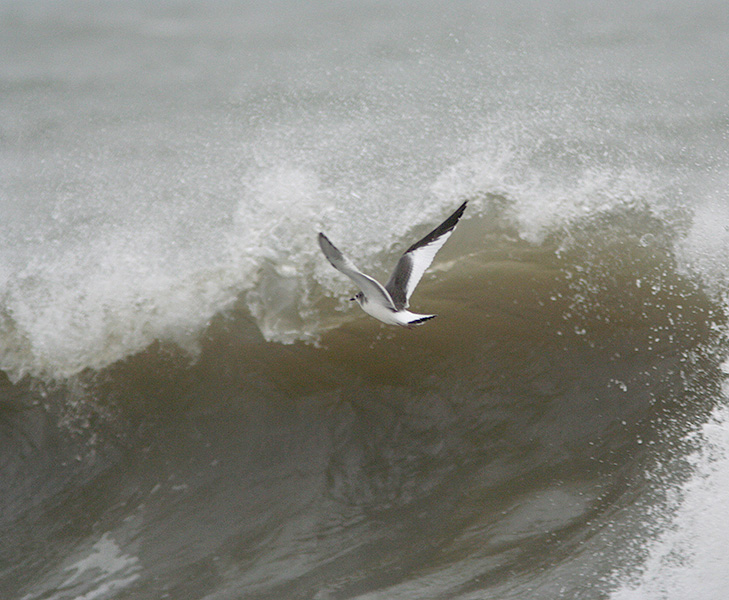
(352, 299)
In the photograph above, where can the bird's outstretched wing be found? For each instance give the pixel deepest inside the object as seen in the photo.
(372, 289)
(416, 259)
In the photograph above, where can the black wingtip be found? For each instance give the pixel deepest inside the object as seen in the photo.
(323, 239)
(451, 221)
(444, 227)
(459, 211)
(330, 250)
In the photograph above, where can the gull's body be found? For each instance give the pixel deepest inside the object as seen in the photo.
(389, 303)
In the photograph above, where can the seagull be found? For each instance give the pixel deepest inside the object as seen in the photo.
(389, 303)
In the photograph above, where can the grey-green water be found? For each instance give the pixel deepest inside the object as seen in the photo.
(189, 406)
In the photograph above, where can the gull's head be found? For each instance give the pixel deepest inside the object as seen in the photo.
(358, 297)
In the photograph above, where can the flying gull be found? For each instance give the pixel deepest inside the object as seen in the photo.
(389, 303)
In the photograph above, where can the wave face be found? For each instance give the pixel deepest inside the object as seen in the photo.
(189, 405)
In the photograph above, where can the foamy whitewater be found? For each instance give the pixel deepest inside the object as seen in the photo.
(191, 408)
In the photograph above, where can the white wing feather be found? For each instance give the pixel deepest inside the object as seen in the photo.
(372, 288)
(413, 264)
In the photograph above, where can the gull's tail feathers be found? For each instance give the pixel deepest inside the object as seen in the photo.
(419, 321)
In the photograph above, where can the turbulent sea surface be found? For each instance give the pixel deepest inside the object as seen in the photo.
(190, 408)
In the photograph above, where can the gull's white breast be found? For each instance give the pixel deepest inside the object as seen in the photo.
(387, 315)
(381, 312)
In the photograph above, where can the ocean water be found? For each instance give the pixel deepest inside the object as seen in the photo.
(190, 408)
